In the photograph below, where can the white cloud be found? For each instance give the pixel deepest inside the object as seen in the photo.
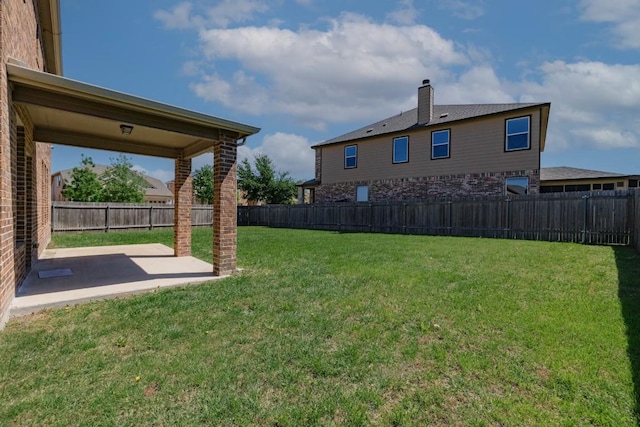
(592, 103)
(406, 14)
(290, 153)
(178, 17)
(221, 15)
(353, 70)
(471, 9)
(624, 15)
(478, 85)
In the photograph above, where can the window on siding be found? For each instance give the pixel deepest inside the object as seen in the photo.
(517, 185)
(633, 183)
(596, 186)
(350, 156)
(607, 186)
(362, 193)
(440, 144)
(518, 134)
(401, 149)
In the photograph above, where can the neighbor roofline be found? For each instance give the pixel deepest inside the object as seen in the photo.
(50, 31)
(59, 85)
(417, 126)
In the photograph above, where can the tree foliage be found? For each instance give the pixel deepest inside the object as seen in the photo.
(264, 183)
(203, 184)
(84, 185)
(121, 183)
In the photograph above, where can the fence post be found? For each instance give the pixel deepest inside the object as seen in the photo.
(404, 218)
(508, 220)
(151, 217)
(450, 218)
(107, 218)
(370, 217)
(586, 219)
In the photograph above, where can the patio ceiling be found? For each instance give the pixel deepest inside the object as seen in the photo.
(69, 112)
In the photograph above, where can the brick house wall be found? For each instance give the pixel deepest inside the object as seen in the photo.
(24, 164)
(425, 188)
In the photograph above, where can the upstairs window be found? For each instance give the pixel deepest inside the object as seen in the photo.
(350, 156)
(518, 134)
(401, 149)
(440, 144)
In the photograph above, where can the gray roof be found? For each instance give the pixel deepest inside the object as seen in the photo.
(563, 173)
(442, 114)
(155, 187)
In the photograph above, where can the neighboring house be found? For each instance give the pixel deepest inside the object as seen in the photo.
(435, 151)
(40, 107)
(565, 179)
(155, 192)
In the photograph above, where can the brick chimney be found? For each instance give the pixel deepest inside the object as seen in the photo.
(425, 103)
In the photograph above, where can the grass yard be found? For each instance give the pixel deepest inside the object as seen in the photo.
(325, 328)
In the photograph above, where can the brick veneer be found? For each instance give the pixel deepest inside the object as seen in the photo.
(183, 195)
(24, 164)
(224, 206)
(422, 188)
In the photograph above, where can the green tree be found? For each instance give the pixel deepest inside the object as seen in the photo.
(121, 183)
(265, 184)
(203, 184)
(84, 185)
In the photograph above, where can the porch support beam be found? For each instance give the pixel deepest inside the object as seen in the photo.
(56, 136)
(183, 195)
(224, 206)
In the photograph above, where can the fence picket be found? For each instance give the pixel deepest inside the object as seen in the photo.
(600, 217)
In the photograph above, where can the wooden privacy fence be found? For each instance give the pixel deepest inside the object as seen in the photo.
(607, 217)
(76, 216)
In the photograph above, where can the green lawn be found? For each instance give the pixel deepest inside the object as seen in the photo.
(325, 328)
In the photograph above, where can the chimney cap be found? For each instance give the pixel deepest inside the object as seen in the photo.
(425, 81)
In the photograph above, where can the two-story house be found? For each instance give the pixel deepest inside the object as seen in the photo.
(435, 151)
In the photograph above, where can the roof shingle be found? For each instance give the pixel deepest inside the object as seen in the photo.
(442, 114)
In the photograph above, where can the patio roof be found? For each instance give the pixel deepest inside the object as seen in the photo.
(69, 112)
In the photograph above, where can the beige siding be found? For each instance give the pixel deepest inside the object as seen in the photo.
(476, 146)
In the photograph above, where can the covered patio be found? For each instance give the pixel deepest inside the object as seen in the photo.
(64, 111)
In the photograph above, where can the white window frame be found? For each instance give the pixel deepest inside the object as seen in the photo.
(400, 139)
(507, 134)
(355, 156)
(448, 144)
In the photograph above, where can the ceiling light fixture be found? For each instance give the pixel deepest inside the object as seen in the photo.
(126, 129)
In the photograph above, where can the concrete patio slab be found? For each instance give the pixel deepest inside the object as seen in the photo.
(104, 272)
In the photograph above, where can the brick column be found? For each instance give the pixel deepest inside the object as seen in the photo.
(183, 196)
(224, 206)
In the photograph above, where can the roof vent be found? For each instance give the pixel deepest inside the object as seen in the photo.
(426, 82)
(384, 125)
(443, 115)
(369, 130)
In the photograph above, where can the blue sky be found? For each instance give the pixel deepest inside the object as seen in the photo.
(309, 70)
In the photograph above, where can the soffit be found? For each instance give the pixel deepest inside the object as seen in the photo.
(69, 112)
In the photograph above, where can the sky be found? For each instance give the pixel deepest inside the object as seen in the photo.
(305, 71)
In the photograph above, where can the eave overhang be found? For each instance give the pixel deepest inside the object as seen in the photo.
(69, 112)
